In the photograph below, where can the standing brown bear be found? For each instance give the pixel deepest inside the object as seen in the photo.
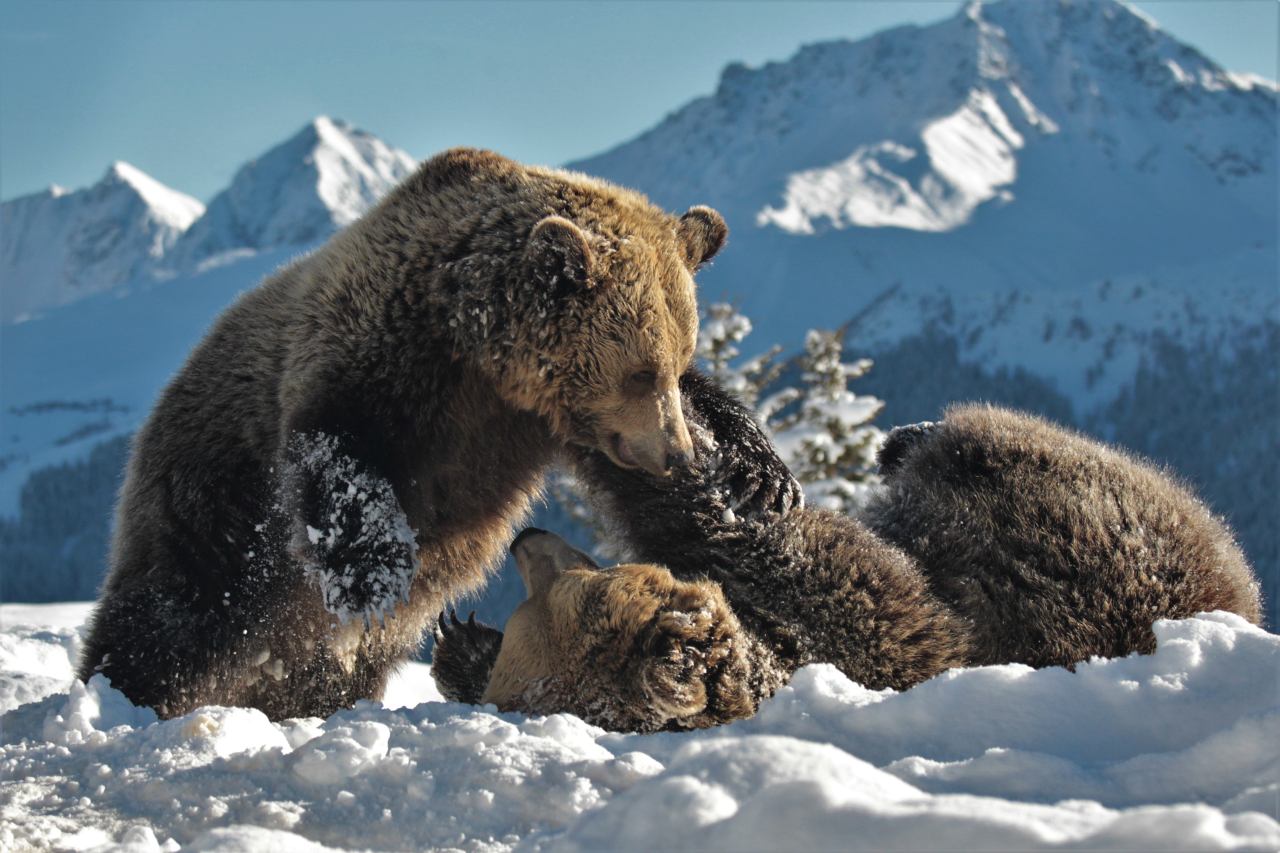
(351, 444)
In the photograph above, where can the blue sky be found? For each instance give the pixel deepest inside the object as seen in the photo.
(189, 91)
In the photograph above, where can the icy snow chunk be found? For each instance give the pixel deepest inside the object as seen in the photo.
(90, 709)
(221, 732)
(237, 839)
(138, 838)
(341, 753)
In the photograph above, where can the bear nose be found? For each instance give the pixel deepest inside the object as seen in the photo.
(677, 459)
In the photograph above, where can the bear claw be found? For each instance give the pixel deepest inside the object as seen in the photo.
(463, 657)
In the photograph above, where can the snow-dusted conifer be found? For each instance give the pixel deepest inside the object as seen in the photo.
(723, 327)
(826, 438)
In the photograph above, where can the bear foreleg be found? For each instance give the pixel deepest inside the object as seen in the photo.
(349, 532)
(684, 521)
(739, 459)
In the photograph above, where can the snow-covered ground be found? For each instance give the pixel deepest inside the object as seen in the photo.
(1177, 750)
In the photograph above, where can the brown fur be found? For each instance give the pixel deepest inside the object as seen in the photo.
(845, 598)
(440, 351)
(630, 648)
(998, 538)
(812, 586)
(1056, 547)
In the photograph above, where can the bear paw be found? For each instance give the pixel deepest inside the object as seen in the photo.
(351, 535)
(756, 484)
(463, 658)
(688, 648)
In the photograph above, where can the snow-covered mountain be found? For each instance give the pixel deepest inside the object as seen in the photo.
(58, 246)
(101, 339)
(1049, 203)
(324, 177)
(1042, 146)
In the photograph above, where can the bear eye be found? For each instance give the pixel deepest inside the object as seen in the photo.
(644, 378)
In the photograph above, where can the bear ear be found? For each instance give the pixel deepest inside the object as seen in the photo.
(558, 254)
(541, 557)
(702, 232)
(538, 578)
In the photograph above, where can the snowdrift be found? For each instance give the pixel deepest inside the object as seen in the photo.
(1177, 750)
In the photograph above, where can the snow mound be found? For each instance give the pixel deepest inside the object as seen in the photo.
(1177, 750)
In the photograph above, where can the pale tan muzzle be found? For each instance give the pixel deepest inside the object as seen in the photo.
(661, 443)
(529, 650)
(542, 556)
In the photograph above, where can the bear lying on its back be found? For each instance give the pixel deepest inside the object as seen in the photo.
(998, 538)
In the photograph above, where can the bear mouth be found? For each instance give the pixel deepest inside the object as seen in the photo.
(621, 452)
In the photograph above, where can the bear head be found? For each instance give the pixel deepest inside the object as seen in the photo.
(613, 325)
(631, 638)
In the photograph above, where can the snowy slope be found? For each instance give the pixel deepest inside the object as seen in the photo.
(1179, 750)
(91, 370)
(298, 193)
(59, 246)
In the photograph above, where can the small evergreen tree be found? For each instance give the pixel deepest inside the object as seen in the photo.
(822, 429)
(722, 328)
(826, 437)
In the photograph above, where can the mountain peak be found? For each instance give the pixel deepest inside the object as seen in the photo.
(123, 171)
(320, 179)
(324, 125)
(320, 129)
(175, 209)
(918, 127)
(59, 246)
(1106, 36)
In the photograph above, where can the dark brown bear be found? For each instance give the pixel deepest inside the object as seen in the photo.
(351, 444)
(1055, 547)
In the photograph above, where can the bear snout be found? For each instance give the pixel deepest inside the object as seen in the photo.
(527, 533)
